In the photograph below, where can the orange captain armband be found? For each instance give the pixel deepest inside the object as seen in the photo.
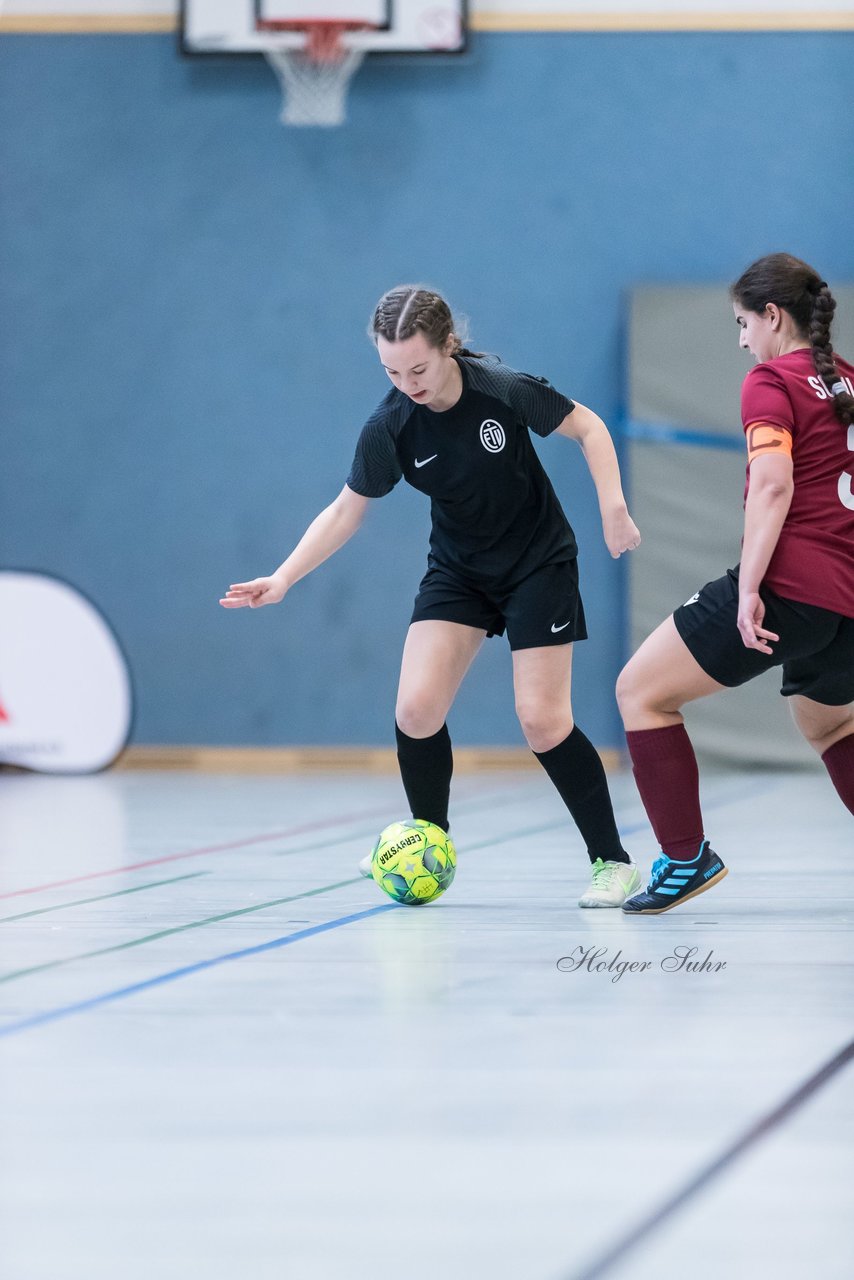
(764, 437)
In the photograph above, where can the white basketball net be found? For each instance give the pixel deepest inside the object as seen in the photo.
(315, 78)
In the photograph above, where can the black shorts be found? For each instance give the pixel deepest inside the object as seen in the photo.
(543, 609)
(815, 649)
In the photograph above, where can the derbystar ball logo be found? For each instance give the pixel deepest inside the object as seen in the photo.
(394, 849)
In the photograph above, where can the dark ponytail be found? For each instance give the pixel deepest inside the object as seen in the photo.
(796, 288)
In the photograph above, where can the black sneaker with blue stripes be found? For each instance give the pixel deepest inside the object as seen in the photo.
(675, 882)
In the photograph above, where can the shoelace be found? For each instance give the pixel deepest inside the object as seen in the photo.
(603, 873)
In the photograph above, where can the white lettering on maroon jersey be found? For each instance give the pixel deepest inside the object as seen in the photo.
(821, 390)
(846, 492)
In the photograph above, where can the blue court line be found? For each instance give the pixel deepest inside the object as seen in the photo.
(666, 433)
(64, 1011)
(81, 1006)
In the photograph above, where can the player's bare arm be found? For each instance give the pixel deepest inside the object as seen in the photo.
(768, 500)
(326, 534)
(587, 429)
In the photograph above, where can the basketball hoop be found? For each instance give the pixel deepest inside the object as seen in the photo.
(315, 75)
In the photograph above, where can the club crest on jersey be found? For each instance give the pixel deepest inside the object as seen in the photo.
(492, 436)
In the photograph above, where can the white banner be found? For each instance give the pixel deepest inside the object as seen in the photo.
(65, 694)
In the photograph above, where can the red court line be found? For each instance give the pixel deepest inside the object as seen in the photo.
(195, 853)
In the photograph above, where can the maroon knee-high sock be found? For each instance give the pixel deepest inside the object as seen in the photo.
(667, 778)
(838, 760)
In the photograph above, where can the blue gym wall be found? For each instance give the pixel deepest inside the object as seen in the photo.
(185, 288)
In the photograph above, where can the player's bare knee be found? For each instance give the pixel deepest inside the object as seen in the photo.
(630, 690)
(543, 726)
(419, 717)
(821, 725)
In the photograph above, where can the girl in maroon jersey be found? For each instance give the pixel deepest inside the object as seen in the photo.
(789, 603)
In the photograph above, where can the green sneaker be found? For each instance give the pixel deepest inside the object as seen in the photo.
(611, 884)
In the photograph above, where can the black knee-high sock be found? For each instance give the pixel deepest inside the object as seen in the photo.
(426, 765)
(577, 772)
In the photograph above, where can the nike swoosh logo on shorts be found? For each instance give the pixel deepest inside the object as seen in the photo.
(424, 462)
(563, 625)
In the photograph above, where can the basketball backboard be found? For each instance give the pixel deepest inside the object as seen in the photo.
(392, 26)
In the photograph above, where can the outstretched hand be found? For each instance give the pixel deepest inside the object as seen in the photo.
(242, 595)
(620, 532)
(751, 615)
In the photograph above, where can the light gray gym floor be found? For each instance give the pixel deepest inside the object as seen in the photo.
(224, 1055)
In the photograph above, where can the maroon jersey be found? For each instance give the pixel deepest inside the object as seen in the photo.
(814, 558)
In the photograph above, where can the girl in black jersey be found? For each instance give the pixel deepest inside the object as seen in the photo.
(502, 558)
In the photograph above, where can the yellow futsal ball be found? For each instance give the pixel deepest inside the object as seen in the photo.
(413, 861)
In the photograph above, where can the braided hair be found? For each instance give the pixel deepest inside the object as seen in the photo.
(411, 308)
(796, 288)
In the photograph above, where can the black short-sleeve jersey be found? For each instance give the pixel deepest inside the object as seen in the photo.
(495, 515)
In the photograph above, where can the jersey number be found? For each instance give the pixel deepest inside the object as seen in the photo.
(846, 493)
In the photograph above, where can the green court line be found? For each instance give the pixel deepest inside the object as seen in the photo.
(102, 897)
(471, 805)
(516, 835)
(242, 911)
(625, 830)
(370, 833)
(180, 928)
